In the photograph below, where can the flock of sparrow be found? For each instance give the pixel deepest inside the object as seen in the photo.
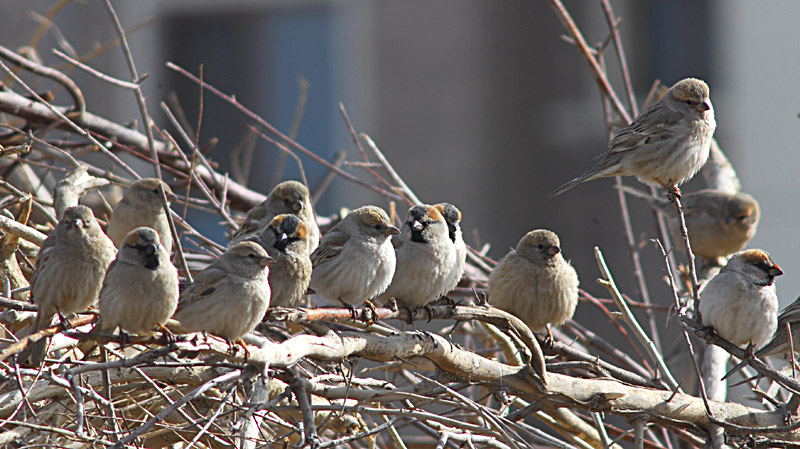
(278, 252)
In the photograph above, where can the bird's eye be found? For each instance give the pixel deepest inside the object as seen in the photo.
(689, 102)
(540, 246)
(377, 226)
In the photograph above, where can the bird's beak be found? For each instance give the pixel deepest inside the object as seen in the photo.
(297, 206)
(553, 250)
(151, 249)
(267, 261)
(703, 106)
(171, 197)
(391, 230)
(775, 271)
(283, 237)
(416, 226)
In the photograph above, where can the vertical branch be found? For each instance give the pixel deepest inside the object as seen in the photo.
(689, 254)
(608, 283)
(630, 240)
(613, 25)
(126, 50)
(597, 72)
(294, 129)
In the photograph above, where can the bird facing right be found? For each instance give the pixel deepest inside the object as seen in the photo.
(666, 144)
(286, 241)
(230, 297)
(719, 223)
(140, 290)
(535, 283)
(142, 206)
(288, 197)
(355, 260)
(741, 302)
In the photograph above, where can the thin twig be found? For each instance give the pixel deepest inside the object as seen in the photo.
(655, 356)
(214, 383)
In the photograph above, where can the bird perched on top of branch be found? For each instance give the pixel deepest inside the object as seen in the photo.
(286, 241)
(229, 297)
(288, 197)
(452, 216)
(355, 260)
(69, 272)
(142, 206)
(666, 144)
(741, 302)
(140, 290)
(425, 259)
(535, 283)
(719, 223)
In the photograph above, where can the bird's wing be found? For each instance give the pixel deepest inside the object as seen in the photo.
(653, 124)
(207, 282)
(330, 247)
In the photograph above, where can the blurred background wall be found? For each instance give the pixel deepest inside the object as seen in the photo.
(478, 103)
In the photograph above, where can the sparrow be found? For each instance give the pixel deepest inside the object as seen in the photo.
(288, 197)
(355, 260)
(69, 271)
(535, 283)
(666, 144)
(779, 343)
(452, 215)
(140, 290)
(230, 296)
(286, 241)
(142, 206)
(425, 259)
(741, 302)
(719, 223)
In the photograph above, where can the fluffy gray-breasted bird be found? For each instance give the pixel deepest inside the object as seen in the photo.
(666, 144)
(69, 271)
(288, 197)
(452, 215)
(286, 241)
(230, 296)
(719, 223)
(355, 260)
(741, 302)
(142, 206)
(535, 283)
(140, 290)
(425, 259)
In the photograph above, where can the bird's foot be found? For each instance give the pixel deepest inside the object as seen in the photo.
(429, 308)
(351, 309)
(166, 335)
(369, 313)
